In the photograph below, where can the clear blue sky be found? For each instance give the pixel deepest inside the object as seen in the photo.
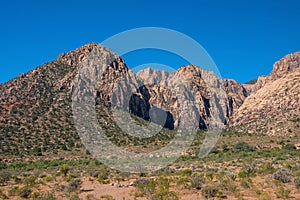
(244, 37)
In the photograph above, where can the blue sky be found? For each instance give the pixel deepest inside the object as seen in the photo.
(244, 37)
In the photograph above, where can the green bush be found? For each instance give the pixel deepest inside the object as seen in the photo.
(30, 181)
(289, 147)
(64, 169)
(242, 146)
(186, 172)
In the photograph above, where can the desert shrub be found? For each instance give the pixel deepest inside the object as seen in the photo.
(186, 172)
(210, 192)
(183, 182)
(64, 169)
(282, 193)
(247, 170)
(2, 195)
(48, 178)
(283, 175)
(196, 181)
(101, 173)
(232, 176)
(30, 181)
(214, 150)
(47, 196)
(265, 196)
(25, 192)
(4, 176)
(225, 147)
(297, 182)
(242, 146)
(3, 165)
(106, 197)
(74, 185)
(228, 185)
(155, 189)
(168, 195)
(289, 147)
(246, 182)
(91, 197)
(14, 190)
(144, 187)
(74, 197)
(266, 169)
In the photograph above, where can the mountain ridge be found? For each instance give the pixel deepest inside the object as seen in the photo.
(35, 107)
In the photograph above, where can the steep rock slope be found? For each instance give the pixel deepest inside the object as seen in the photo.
(274, 108)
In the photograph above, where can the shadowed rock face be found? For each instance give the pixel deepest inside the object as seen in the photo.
(237, 94)
(199, 86)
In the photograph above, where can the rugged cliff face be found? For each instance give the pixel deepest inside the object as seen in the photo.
(282, 67)
(273, 107)
(237, 93)
(203, 88)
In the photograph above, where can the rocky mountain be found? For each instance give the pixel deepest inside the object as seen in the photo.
(36, 107)
(273, 106)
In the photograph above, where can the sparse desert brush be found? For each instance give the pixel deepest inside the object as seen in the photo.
(282, 193)
(210, 191)
(2, 195)
(283, 175)
(74, 185)
(154, 189)
(144, 187)
(248, 169)
(74, 197)
(4, 176)
(246, 182)
(297, 182)
(183, 183)
(31, 180)
(266, 168)
(197, 180)
(25, 192)
(242, 146)
(106, 197)
(265, 196)
(46, 196)
(290, 147)
(186, 172)
(64, 169)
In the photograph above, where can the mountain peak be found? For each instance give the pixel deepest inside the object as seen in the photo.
(78, 55)
(285, 65)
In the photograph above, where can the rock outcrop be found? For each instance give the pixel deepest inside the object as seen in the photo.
(274, 106)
